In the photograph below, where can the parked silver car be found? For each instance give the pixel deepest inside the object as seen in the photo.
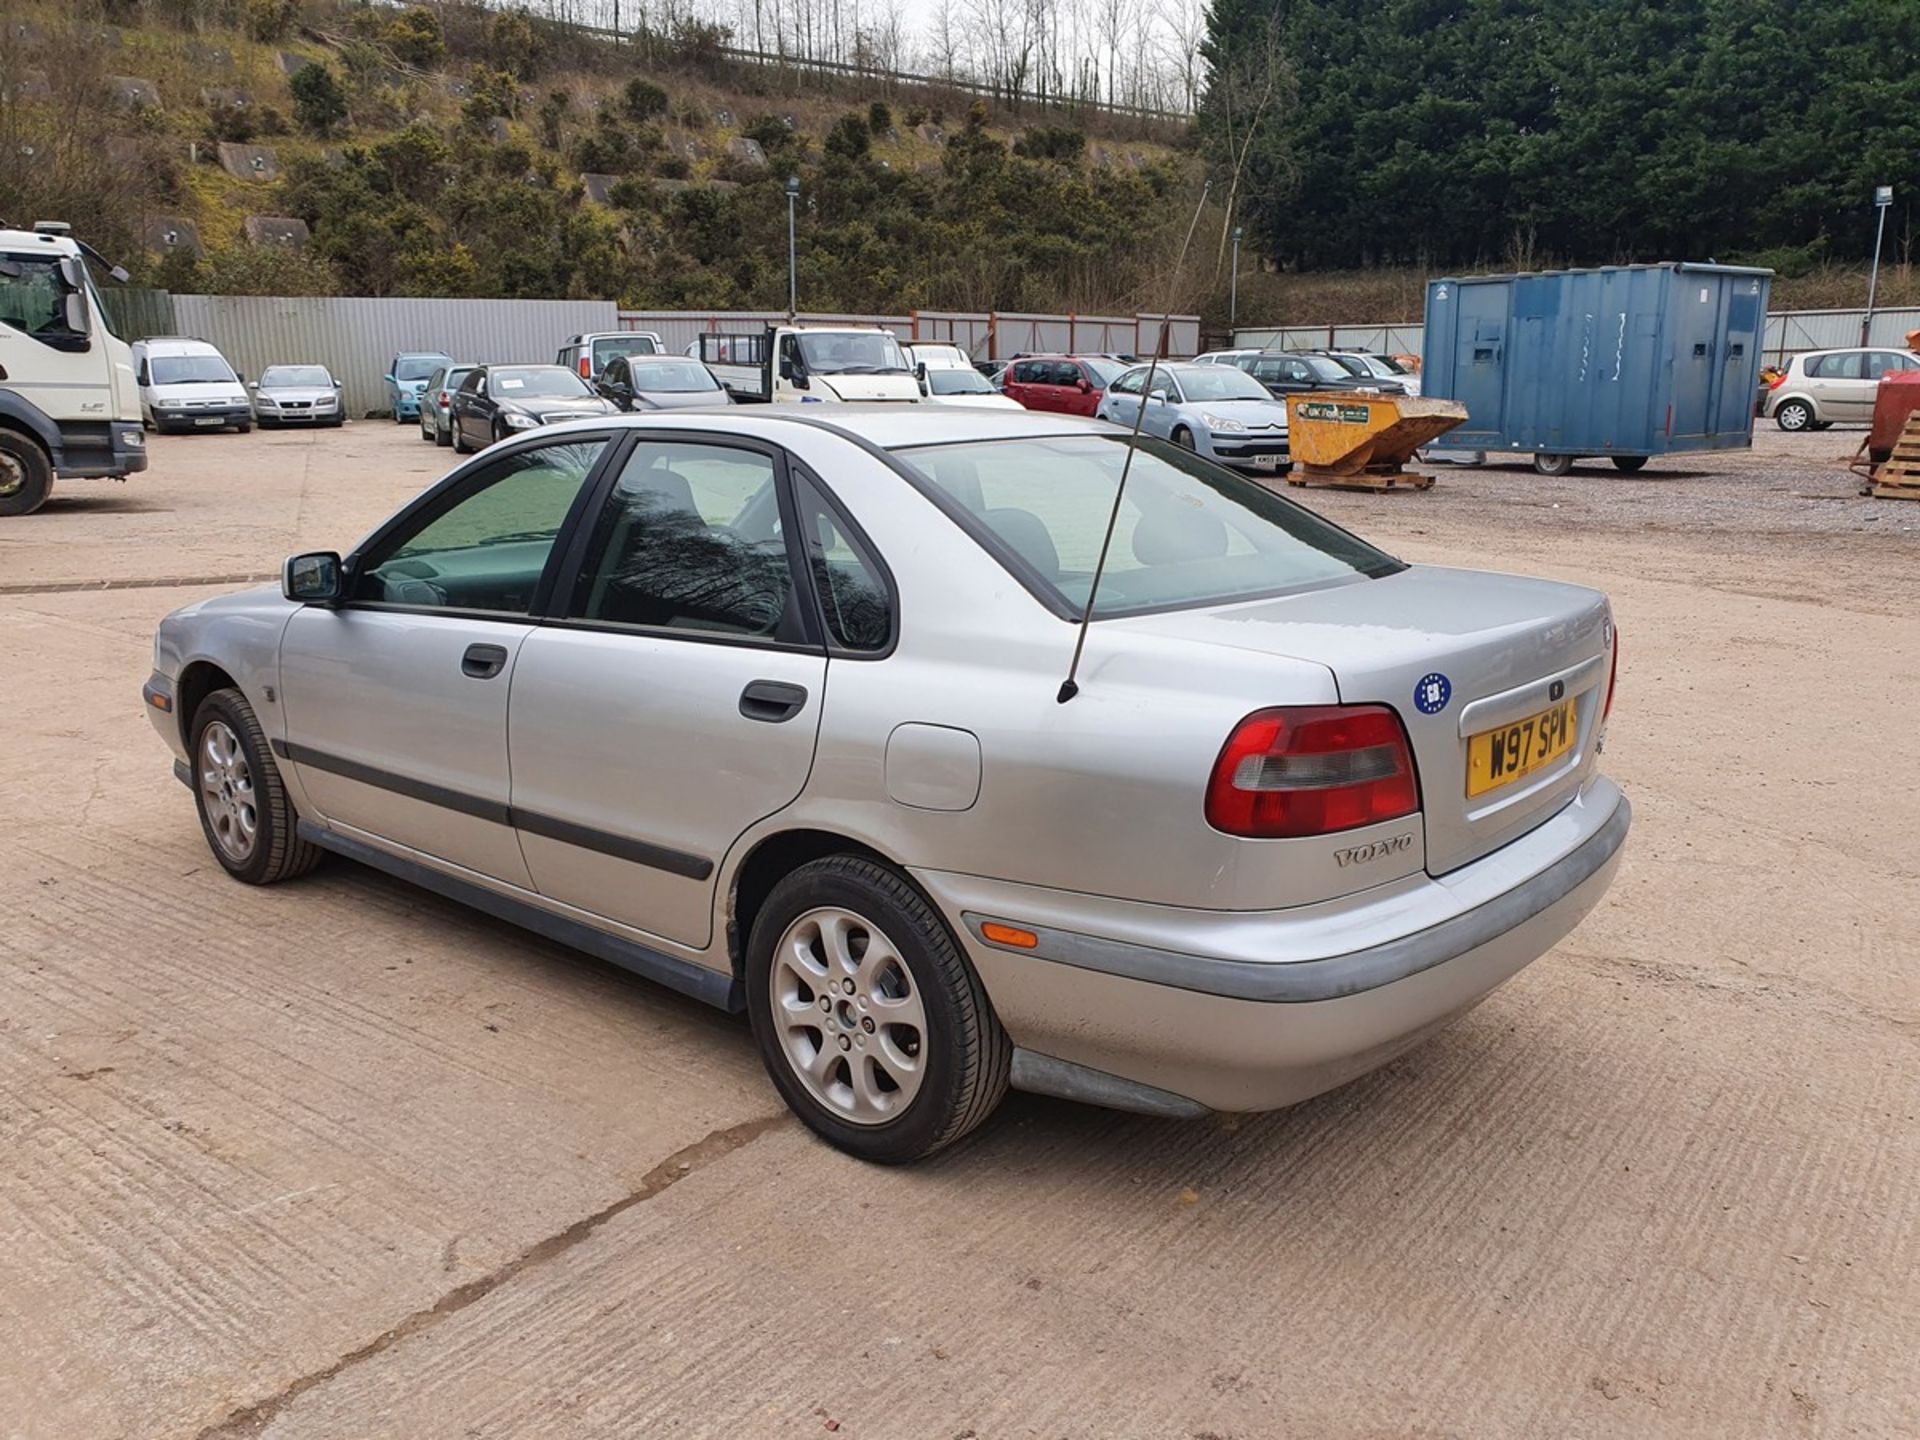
(296, 395)
(766, 704)
(1824, 387)
(1217, 410)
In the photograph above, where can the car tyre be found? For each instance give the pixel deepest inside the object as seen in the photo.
(1183, 437)
(500, 432)
(1629, 464)
(853, 935)
(26, 474)
(441, 437)
(1553, 464)
(1794, 416)
(245, 812)
(460, 445)
(245, 427)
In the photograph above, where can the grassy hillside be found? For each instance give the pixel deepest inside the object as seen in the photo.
(446, 150)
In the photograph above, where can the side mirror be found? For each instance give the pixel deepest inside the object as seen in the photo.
(920, 372)
(315, 578)
(77, 319)
(251, 384)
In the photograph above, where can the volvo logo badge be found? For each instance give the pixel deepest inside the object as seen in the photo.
(1361, 854)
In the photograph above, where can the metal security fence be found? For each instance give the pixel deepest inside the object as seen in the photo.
(356, 338)
(1789, 333)
(984, 335)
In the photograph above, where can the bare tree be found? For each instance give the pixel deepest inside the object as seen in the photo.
(1254, 82)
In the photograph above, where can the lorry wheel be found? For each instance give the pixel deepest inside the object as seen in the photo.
(1553, 464)
(26, 474)
(1627, 464)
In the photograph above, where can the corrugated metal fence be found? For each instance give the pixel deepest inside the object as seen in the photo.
(1789, 332)
(984, 335)
(357, 338)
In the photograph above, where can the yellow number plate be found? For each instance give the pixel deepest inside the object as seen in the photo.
(1500, 757)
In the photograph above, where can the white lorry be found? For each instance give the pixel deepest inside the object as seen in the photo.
(68, 406)
(811, 364)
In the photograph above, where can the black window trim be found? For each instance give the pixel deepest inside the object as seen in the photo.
(437, 500)
(842, 517)
(557, 597)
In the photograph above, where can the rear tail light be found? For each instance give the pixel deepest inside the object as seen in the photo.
(1312, 770)
(1777, 381)
(586, 368)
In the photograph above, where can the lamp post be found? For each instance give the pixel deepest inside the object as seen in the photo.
(1233, 292)
(1882, 198)
(793, 273)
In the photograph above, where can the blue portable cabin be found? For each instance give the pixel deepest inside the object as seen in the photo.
(1628, 361)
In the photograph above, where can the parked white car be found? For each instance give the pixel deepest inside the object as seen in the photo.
(297, 395)
(963, 386)
(187, 384)
(1826, 387)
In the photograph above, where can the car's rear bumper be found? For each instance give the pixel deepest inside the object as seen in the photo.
(1239, 1010)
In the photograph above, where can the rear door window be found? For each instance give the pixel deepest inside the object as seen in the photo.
(855, 598)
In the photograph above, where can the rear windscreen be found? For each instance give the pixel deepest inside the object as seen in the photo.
(605, 350)
(1188, 532)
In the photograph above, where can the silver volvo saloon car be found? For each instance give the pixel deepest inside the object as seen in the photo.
(766, 705)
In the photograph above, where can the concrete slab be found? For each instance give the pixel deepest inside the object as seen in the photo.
(339, 1159)
(285, 230)
(249, 162)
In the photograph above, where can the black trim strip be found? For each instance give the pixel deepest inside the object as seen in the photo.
(405, 785)
(714, 987)
(621, 847)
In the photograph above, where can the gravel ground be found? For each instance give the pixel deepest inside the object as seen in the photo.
(337, 1159)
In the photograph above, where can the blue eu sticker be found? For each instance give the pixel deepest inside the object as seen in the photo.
(1432, 693)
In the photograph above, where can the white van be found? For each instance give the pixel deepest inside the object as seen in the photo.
(188, 385)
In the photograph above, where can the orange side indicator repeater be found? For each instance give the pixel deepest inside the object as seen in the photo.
(159, 702)
(1008, 935)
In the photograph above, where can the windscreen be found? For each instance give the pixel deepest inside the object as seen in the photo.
(191, 370)
(1188, 533)
(672, 377)
(1219, 383)
(417, 367)
(301, 375)
(1103, 371)
(609, 346)
(852, 352)
(1327, 369)
(544, 382)
(957, 382)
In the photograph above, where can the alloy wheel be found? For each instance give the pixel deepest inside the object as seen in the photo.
(226, 792)
(849, 1016)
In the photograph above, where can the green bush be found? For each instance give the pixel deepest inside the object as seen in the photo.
(515, 44)
(415, 38)
(269, 20)
(553, 113)
(849, 138)
(248, 269)
(642, 99)
(1051, 142)
(879, 117)
(319, 104)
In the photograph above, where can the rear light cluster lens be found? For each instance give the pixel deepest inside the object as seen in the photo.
(1777, 381)
(586, 368)
(1312, 770)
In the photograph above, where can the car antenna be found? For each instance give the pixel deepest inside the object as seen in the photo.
(1070, 686)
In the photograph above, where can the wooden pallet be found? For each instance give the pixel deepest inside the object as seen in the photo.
(1384, 478)
(1898, 477)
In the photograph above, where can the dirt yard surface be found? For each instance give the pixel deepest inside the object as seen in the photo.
(340, 1159)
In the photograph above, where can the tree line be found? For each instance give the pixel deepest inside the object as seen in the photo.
(1523, 132)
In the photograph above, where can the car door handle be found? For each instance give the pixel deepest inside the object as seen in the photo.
(772, 701)
(483, 662)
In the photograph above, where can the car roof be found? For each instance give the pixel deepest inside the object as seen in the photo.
(887, 426)
(178, 345)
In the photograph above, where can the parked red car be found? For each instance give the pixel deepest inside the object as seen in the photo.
(1063, 384)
